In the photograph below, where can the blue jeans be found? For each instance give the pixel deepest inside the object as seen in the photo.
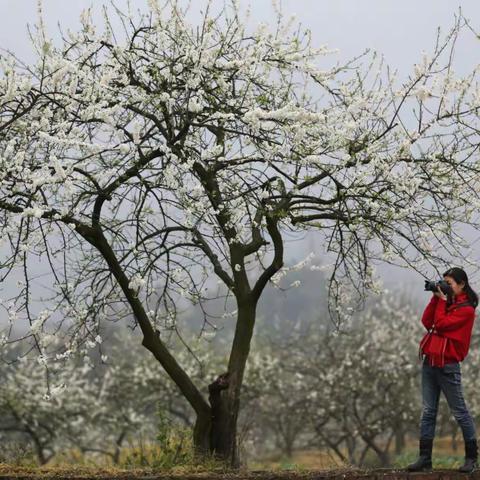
(447, 379)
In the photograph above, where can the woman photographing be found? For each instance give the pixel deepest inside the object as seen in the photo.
(449, 321)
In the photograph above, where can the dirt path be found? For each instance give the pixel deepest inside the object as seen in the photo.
(376, 474)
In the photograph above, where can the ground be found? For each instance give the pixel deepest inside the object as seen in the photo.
(144, 474)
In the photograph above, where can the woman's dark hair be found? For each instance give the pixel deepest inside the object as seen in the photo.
(460, 276)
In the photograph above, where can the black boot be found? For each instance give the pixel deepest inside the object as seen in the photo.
(424, 461)
(471, 455)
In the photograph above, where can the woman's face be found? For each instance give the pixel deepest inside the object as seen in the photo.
(456, 287)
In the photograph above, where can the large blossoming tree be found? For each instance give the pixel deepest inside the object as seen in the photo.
(138, 162)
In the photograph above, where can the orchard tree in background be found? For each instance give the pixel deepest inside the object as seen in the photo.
(352, 394)
(137, 162)
(292, 398)
(97, 407)
(371, 399)
(356, 394)
(44, 418)
(277, 390)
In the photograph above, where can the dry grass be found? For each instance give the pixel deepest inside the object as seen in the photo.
(300, 460)
(302, 465)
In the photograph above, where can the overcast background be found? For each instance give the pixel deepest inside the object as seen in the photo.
(398, 30)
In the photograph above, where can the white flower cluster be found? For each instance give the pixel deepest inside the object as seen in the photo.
(136, 283)
(37, 324)
(36, 212)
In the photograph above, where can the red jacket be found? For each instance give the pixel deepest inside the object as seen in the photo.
(448, 338)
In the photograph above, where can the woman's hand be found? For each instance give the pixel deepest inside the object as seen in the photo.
(440, 294)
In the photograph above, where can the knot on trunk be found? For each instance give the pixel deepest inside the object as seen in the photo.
(219, 384)
(219, 433)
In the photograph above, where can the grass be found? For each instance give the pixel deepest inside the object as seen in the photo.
(443, 458)
(301, 460)
(176, 460)
(439, 461)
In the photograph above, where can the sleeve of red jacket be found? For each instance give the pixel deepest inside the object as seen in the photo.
(428, 314)
(454, 319)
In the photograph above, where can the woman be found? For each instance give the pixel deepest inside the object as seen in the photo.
(444, 346)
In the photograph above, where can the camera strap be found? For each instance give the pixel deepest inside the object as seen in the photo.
(456, 305)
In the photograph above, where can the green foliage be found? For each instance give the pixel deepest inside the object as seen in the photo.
(173, 446)
(439, 461)
(174, 441)
(447, 461)
(288, 464)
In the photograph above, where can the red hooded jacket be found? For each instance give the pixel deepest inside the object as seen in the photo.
(448, 338)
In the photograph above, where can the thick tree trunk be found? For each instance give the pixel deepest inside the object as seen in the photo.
(224, 432)
(201, 436)
(217, 435)
(220, 432)
(222, 436)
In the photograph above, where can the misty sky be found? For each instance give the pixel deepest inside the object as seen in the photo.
(399, 30)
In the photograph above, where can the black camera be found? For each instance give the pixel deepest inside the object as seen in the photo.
(431, 286)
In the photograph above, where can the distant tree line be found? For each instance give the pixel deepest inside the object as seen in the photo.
(354, 392)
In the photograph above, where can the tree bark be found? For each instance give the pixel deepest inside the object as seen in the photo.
(225, 391)
(201, 435)
(219, 434)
